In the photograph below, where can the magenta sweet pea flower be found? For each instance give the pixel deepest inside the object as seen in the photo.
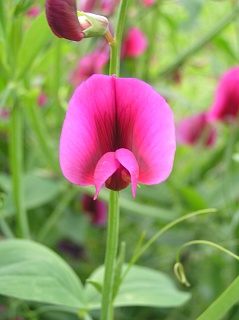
(226, 103)
(93, 63)
(117, 131)
(135, 43)
(196, 129)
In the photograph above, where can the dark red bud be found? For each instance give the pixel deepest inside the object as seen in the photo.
(62, 19)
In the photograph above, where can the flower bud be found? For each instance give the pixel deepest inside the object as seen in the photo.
(66, 22)
(62, 19)
(93, 25)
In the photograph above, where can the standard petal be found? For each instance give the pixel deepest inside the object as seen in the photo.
(146, 127)
(62, 19)
(105, 168)
(88, 129)
(128, 161)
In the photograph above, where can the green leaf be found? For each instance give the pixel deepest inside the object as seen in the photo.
(223, 303)
(35, 39)
(141, 287)
(37, 191)
(32, 272)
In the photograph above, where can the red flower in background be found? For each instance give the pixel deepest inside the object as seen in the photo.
(196, 129)
(117, 131)
(96, 209)
(226, 102)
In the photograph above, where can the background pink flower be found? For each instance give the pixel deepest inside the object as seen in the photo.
(96, 209)
(196, 129)
(135, 43)
(148, 3)
(90, 64)
(33, 12)
(117, 131)
(226, 102)
(42, 99)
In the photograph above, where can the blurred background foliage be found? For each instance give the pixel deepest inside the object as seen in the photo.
(190, 45)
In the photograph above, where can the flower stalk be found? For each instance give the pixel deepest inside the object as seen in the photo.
(107, 307)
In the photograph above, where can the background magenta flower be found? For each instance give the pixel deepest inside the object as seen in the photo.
(148, 3)
(42, 99)
(117, 131)
(33, 12)
(96, 209)
(4, 113)
(226, 102)
(135, 43)
(196, 129)
(62, 19)
(93, 63)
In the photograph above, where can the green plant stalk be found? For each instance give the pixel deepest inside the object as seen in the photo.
(201, 43)
(223, 303)
(107, 309)
(16, 161)
(209, 243)
(116, 46)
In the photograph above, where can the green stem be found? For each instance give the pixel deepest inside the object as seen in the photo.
(107, 309)
(201, 43)
(209, 243)
(160, 233)
(16, 160)
(116, 46)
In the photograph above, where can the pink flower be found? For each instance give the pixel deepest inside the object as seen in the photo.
(226, 103)
(96, 209)
(148, 3)
(62, 19)
(196, 129)
(4, 113)
(117, 131)
(106, 7)
(42, 99)
(88, 65)
(33, 12)
(135, 43)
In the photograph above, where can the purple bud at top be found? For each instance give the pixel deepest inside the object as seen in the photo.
(63, 20)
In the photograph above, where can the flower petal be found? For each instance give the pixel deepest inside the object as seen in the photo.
(62, 19)
(106, 166)
(146, 126)
(88, 129)
(127, 159)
